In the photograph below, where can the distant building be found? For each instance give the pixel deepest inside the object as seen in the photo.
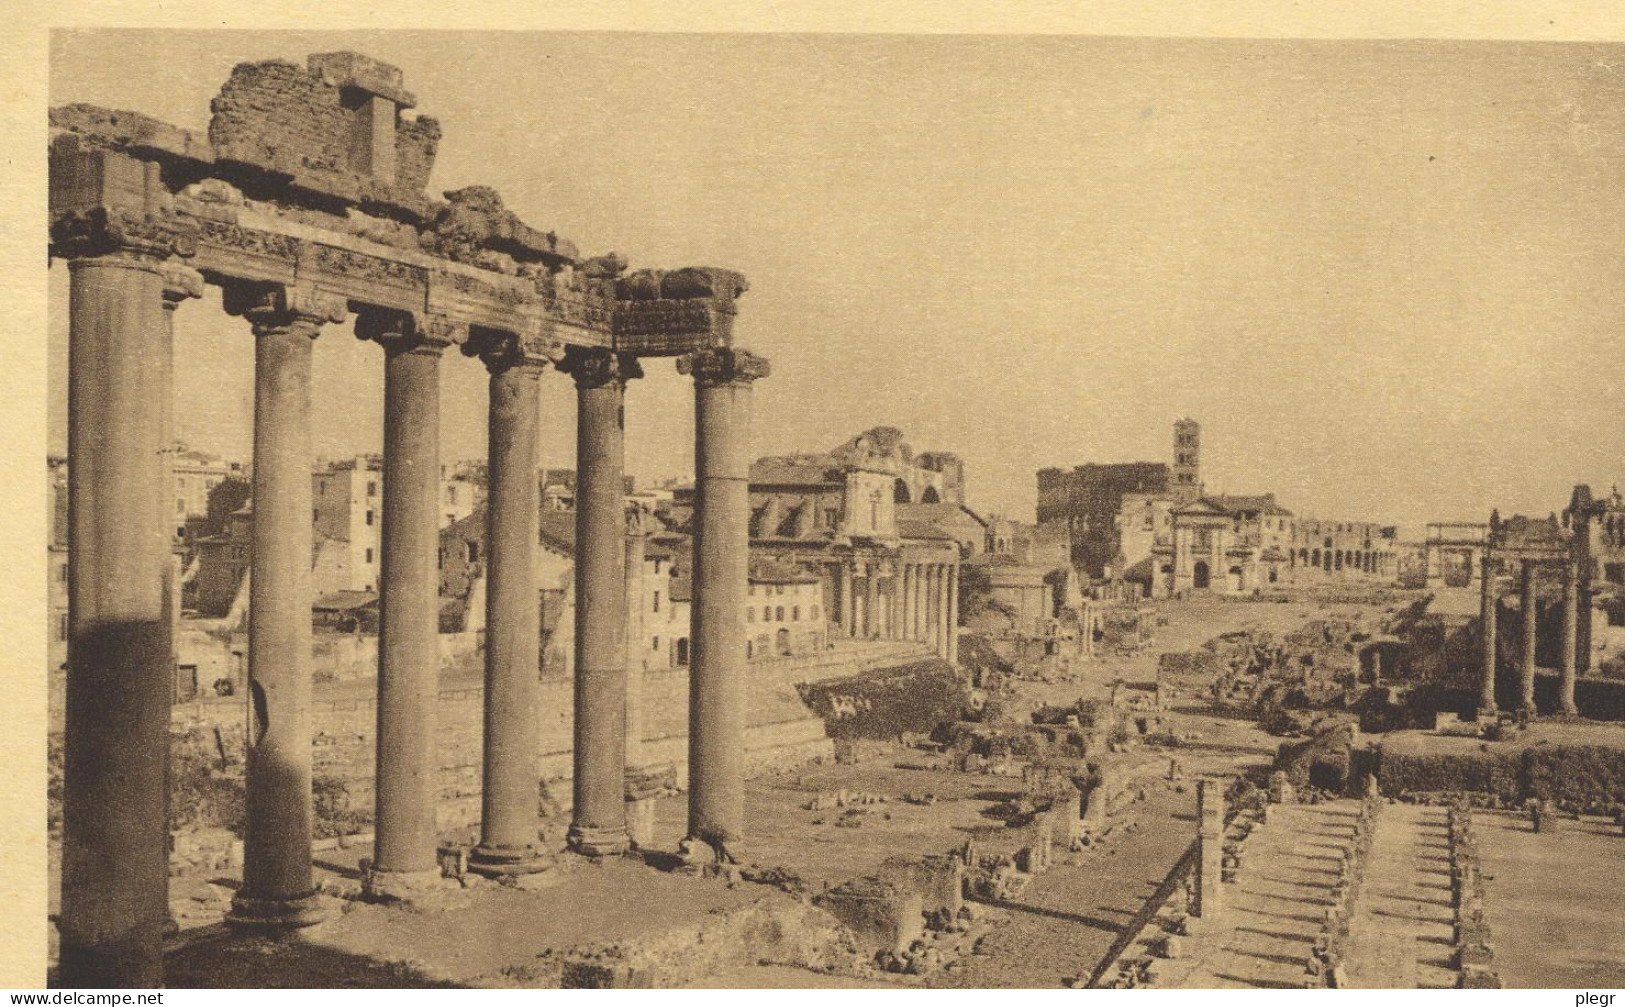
(1344, 550)
(1113, 514)
(195, 473)
(864, 519)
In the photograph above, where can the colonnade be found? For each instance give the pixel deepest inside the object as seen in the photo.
(901, 600)
(1489, 606)
(121, 657)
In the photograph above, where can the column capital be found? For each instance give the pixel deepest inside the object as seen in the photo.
(409, 331)
(181, 282)
(501, 351)
(723, 365)
(597, 366)
(275, 307)
(100, 232)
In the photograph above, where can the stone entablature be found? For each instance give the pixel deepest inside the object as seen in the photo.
(292, 186)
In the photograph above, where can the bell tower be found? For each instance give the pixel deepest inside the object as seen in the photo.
(1187, 459)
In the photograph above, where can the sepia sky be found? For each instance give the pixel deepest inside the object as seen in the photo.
(1388, 278)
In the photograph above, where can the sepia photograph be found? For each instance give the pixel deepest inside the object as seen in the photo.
(806, 510)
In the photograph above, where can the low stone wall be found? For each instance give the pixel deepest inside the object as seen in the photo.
(1474, 958)
(781, 731)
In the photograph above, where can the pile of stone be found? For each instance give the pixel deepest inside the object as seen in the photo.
(1325, 965)
(1474, 956)
(910, 916)
(844, 799)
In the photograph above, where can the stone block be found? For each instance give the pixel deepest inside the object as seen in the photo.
(883, 917)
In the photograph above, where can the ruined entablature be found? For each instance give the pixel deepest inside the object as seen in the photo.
(311, 176)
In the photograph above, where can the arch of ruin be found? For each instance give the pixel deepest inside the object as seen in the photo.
(304, 203)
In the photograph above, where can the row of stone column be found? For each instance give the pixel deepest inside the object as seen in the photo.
(121, 658)
(1489, 603)
(919, 601)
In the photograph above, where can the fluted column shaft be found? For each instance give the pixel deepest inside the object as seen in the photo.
(1526, 663)
(953, 613)
(508, 801)
(278, 889)
(598, 823)
(944, 614)
(120, 651)
(716, 735)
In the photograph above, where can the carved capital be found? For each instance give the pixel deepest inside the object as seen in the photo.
(595, 366)
(180, 283)
(500, 350)
(723, 365)
(107, 230)
(276, 307)
(408, 331)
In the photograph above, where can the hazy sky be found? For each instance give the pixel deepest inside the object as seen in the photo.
(1388, 278)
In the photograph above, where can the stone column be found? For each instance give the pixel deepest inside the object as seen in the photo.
(935, 607)
(716, 718)
(1571, 628)
(278, 890)
(121, 674)
(408, 786)
(871, 602)
(1526, 663)
(1210, 847)
(1488, 607)
(930, 606)
(508, 797)
(598, 822)
(953, 614)
(849, 605)
(637, 643)
(908, 601)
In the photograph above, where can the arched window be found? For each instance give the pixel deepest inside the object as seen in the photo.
(783, 639)
(930, 495)
(900, 493)
(795, 613)
(778, 614)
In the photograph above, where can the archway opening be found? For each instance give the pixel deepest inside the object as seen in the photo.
(930, 495)
(900, 493)
(1200, 577)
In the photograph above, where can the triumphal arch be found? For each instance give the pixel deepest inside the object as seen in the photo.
(305, 203)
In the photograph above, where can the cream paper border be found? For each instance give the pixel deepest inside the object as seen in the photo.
(23, 77)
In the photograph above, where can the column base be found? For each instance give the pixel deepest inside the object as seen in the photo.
(504, 861)
(598, 842)
(276, 914)
(1569, 710)
(400, 886)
